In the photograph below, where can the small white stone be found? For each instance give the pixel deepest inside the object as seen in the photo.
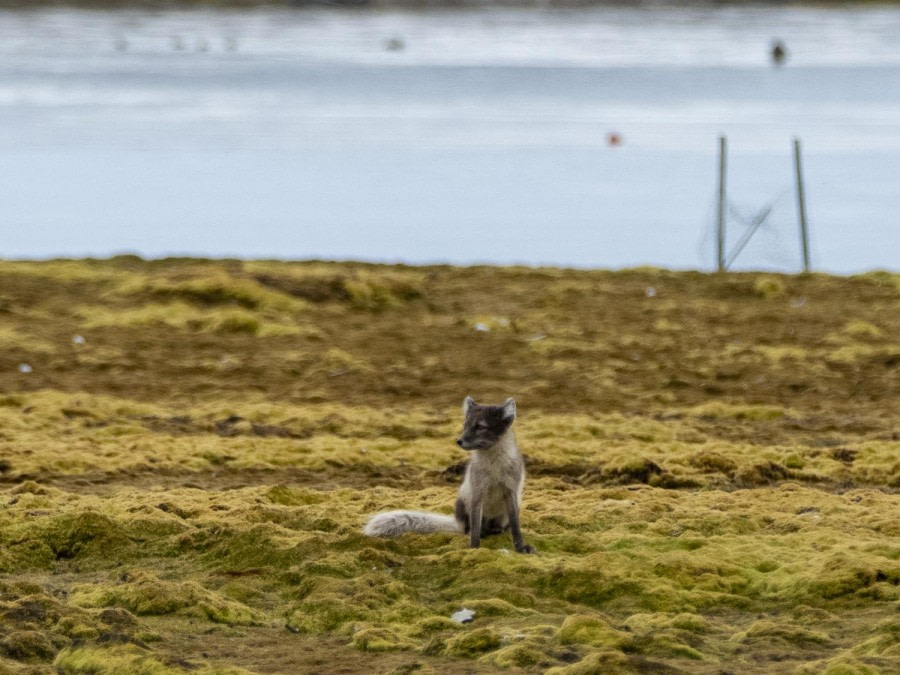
(25, 368)
(482, 327)
(651, 292)
(78, 340)
(463, 616)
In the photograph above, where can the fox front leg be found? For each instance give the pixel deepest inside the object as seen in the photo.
(475, 524)
(512, 508)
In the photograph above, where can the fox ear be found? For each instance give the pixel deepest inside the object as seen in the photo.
(468, 403)
(509, 409)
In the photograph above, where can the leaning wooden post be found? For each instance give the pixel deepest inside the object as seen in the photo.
(720, 223)
(801, 206)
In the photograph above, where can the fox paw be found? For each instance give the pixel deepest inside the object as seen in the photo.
(526, 548)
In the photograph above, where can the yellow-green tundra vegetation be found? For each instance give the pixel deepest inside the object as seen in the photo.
(189, 448)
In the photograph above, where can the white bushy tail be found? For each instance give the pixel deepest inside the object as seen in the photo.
(394, 523)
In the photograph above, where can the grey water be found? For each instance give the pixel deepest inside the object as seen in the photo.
(450, 136)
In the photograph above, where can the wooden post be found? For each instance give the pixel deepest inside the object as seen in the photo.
(801, 206)
(720, 223)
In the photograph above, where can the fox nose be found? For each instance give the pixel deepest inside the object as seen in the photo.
(459, 442)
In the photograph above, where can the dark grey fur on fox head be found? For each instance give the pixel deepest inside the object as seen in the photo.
(484, 425)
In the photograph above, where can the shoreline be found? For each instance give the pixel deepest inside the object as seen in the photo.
(435, 265)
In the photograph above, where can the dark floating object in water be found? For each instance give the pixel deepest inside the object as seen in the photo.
(614, 139)
(778, 53)
(395, 44)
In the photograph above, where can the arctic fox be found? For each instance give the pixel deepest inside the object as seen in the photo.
(490, 496)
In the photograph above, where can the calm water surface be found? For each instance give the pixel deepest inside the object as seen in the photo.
(449, 136)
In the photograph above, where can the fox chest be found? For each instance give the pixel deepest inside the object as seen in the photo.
(491, 483)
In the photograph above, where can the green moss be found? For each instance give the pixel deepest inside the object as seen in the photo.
(647, 623)
(592, 581)
(31, 487)
(19, 342)
(243, 547)
(592, 631)
(691, 491)
(521, 655)
(761, 473)
(852, 354)
(636, 469)
(379, 640)
(777, 354)
(87, 533)
(794, 461)
(220, 610)
(719, 410)
(713, 461)
(216, 289)
(237, 321)
(768, 287)
(183, 316)
(840, 575)
(77, 628)
(362, 287)
(325, 613)
(473, 643)
(145, 594)
(366, 295)
(768, 632)
(337, 362)
(841, 665)
(434, 624)
(381, 291)
(130, 659)
(804, 614)
(668, 646)
(884, 641)
(142, 593)
(607, 661)
(863, 330)
(12, 401)
(28, 645)
(290, 496)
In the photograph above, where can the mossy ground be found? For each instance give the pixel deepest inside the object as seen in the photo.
(185, 465)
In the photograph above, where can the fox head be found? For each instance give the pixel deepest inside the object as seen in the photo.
(485, 424)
